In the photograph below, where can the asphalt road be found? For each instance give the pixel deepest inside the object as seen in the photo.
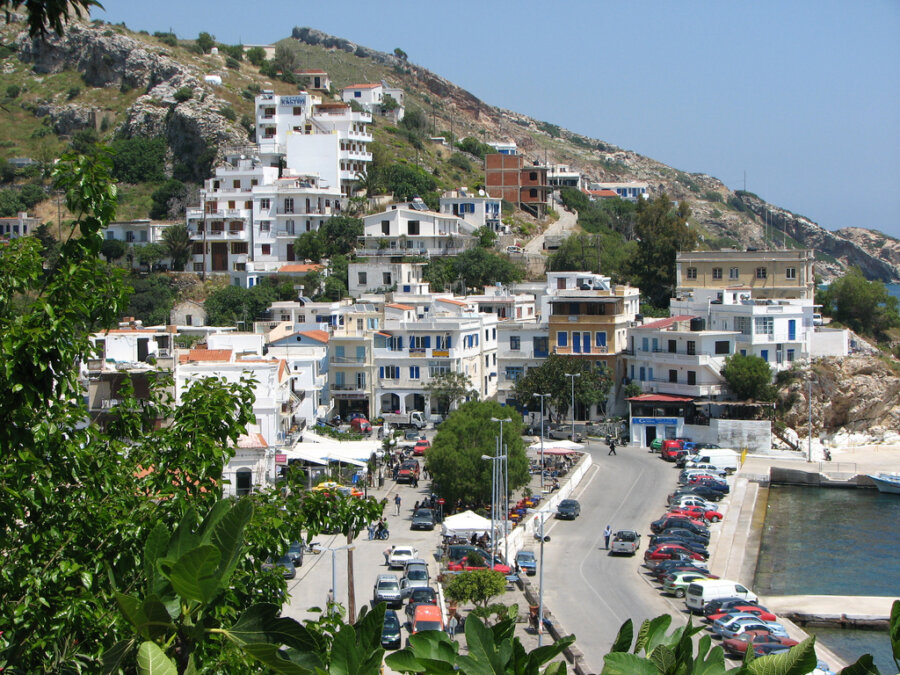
(589, 591)
(564, 226)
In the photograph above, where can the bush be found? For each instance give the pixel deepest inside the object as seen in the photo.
(13, 91)
(139, 160)
(205, 42)
(167, 38)
(228, 113)
(184, 94)
(475, 147)
(31, 194)
(73, 92)
(233, 63)
(460, 162)
(256, 56)
(166, 197)
(712, 196)
(748, 377)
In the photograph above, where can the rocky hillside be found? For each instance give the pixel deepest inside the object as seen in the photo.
(108, 77)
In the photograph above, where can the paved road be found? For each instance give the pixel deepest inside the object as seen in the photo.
(564, 226)
(590, 592)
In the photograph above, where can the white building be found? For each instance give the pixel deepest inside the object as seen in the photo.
(306, 353)
(372, 97)
(521, 345)
(315, 79)
(380, 275)
(304, 315)
(410, 350)
(479, 210)
(632, 190)
(500, 301)
(504, 147)
(18, 225)
(562, 175)
(287, 127)
(404, 230)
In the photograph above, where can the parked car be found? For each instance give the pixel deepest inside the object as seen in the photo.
(741, 624)
(746, 608)
(668, 521)
(426, 617)
(408, 471)
(720, 604)
(413, 436)
(400, 554)
(671, 450)
(420, 596)
(626, 542)
(665, 551)
(698, 513)
(676, 583)
(468, 563)
(459, 551)
(692, 545)
(737, 646)
(707, 493)
(699, 537)
(672, 566)
(423, 519)
(421, 447)
(718, 485)
(562, 433)
(285, 563)
(361, 425)
(390, 632)
(691, 500)
(568, 509)
(295, 551)
(387, 589)
(526, 563)
(656, 444)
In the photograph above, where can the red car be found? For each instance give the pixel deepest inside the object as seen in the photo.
(697, 512)
(420, 447)
(665, 551)
(737, 646)
(671, 450)
(464, 566)
(761, 612)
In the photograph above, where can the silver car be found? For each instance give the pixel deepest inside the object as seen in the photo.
(563, 434)
(387, 589)
(415, 576)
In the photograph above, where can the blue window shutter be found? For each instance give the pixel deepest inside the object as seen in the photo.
(427, 342)
(381, 372)
(448, 342)
(400, 342)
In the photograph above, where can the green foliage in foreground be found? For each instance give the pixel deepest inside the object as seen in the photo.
(863, 306)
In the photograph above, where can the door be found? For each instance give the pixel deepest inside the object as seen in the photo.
(576, 343)
(219, 257)
(586, 342)
(243, 482)
(650, 436)
(792, 329)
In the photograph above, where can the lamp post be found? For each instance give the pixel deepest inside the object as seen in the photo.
(540, 622)
(572, 377)
(542, 397)
(334, 550)
(495, 462)
(503, 450)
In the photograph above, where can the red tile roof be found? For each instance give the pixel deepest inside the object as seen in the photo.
(454, 302)
(660, 398)
(316, 334)
(665, 323)
(310, 72)
(300, 268)
(397, 305)
(205, 355)
(252, 441)
(602, 193)
(363, 86)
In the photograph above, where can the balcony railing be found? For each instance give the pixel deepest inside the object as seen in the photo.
(584, 351)
(334, 386)
(340, 360)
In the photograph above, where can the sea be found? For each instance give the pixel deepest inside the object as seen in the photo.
(893, 289)
(830, 541)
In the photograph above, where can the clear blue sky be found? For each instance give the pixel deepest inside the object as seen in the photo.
(804, 96)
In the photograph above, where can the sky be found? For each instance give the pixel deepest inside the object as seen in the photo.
(800, 99)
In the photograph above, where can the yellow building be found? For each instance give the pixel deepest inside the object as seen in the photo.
(768, 274)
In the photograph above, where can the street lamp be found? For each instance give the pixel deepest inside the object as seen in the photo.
(540, 622)
(542, 397)
(572, 377)
(496, 460)
(502, 449)
(349, 547)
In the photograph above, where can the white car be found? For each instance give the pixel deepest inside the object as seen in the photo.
(400, 554)
(693, 501)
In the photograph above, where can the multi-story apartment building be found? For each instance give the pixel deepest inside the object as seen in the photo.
(351, 365)
(678, 356)
(379, 275)
(509, 177)
(768, 274)
(410, 229)
(306, 353)
(312, 137)
(304, 314)
(505, 304)
(372, 98)
(412, 349)
(520, 345)
(562, 175)
(778, 331)
(478, 210)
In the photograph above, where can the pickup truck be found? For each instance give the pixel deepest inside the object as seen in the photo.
(408, 472)
(410, 420)
(625, 541)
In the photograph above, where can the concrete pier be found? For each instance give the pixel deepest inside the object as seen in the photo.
(850, 611)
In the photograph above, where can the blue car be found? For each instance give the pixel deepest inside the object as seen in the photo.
(525, 562)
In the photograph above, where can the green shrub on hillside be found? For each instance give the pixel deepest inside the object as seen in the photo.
(169, 39)
(205, 42)
(475, 147)
(184, 94)
(256, 56)
(139, 160)
(13, 91)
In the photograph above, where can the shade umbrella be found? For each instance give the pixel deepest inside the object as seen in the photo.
(563, 445)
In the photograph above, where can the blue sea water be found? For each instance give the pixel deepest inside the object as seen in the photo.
(820, 541)
(893, 289)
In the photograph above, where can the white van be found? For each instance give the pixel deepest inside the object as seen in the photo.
(703, 590)
(721, 458)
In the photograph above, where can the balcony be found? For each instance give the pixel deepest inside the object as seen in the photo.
(584, 351)
(351, 387)
(418, 351)
(661, 386)
(347, 360)
(219, 235)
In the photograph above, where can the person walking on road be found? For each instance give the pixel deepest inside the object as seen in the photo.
(397, 503)
(451, 626)
(387, 554)
(612, 447)
(607, 533)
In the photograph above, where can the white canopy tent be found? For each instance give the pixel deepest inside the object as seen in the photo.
(562, 445)
(466, 524)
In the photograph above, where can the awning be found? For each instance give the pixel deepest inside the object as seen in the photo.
(568, 446)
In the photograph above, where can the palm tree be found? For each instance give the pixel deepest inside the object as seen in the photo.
(178, 244)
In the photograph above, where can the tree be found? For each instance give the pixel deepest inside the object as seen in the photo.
(400, 54)
(662, 231)
(286, 59)
(592, 386)
(454, 460)
(178, 244)
(168, 200)
(486, 237)
(604, 252)
(256, 56)
(864, 306)
(46, 15)
(476, 586)
(448, 389)
(113, 249)
(748, 377)
(150, 254)
(309, 246)
(139, 160)
(406, 181)
(206, 42)
(151, 299)
(339, 235)
(84, 142)
(476, 268)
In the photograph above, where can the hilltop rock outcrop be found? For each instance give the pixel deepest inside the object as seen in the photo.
(64, 119)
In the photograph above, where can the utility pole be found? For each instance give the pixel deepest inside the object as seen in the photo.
(203, 206)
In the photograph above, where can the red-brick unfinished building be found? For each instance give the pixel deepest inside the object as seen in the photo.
(511, 178)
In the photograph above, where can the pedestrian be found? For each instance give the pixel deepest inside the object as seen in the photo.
(612, 448)
(396, 472)
(451, 626)
(607, 533)
(387, 554)
(474, 540)
(415, 481)
(397, 503)
(415, 507)
(371, 531)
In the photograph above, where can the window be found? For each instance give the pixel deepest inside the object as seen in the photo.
(532, 193)
(742, 324)
(267, 249)
(357, 94)
(532, 175)
(386, 278)
(197, 248)
(764, 355)
(420, 342)
(390, 372)
(717, 273)
(298, 110)
(414, 372)
(288, 204)
(723, 347)
(790, 355)
(541, 346)
(691, 347)
(238, 247)
(672, 346)
(645, 344)
(642, 374)
(248, 204)
(385, 227)
(513, 373)
(692, 377)
(761, 273)
(442, 342)
(264, 226)
(231, 204)
(673, 376)
(562, 339)
(734, 273)
(236, 184)
(361, 276)
(765, 325)
(438, 368)
(691, 272)
(515, 343)
(198, 266)
(790, 273)
(412, 227)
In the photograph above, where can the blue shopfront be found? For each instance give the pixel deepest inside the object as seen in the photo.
(654, 416)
